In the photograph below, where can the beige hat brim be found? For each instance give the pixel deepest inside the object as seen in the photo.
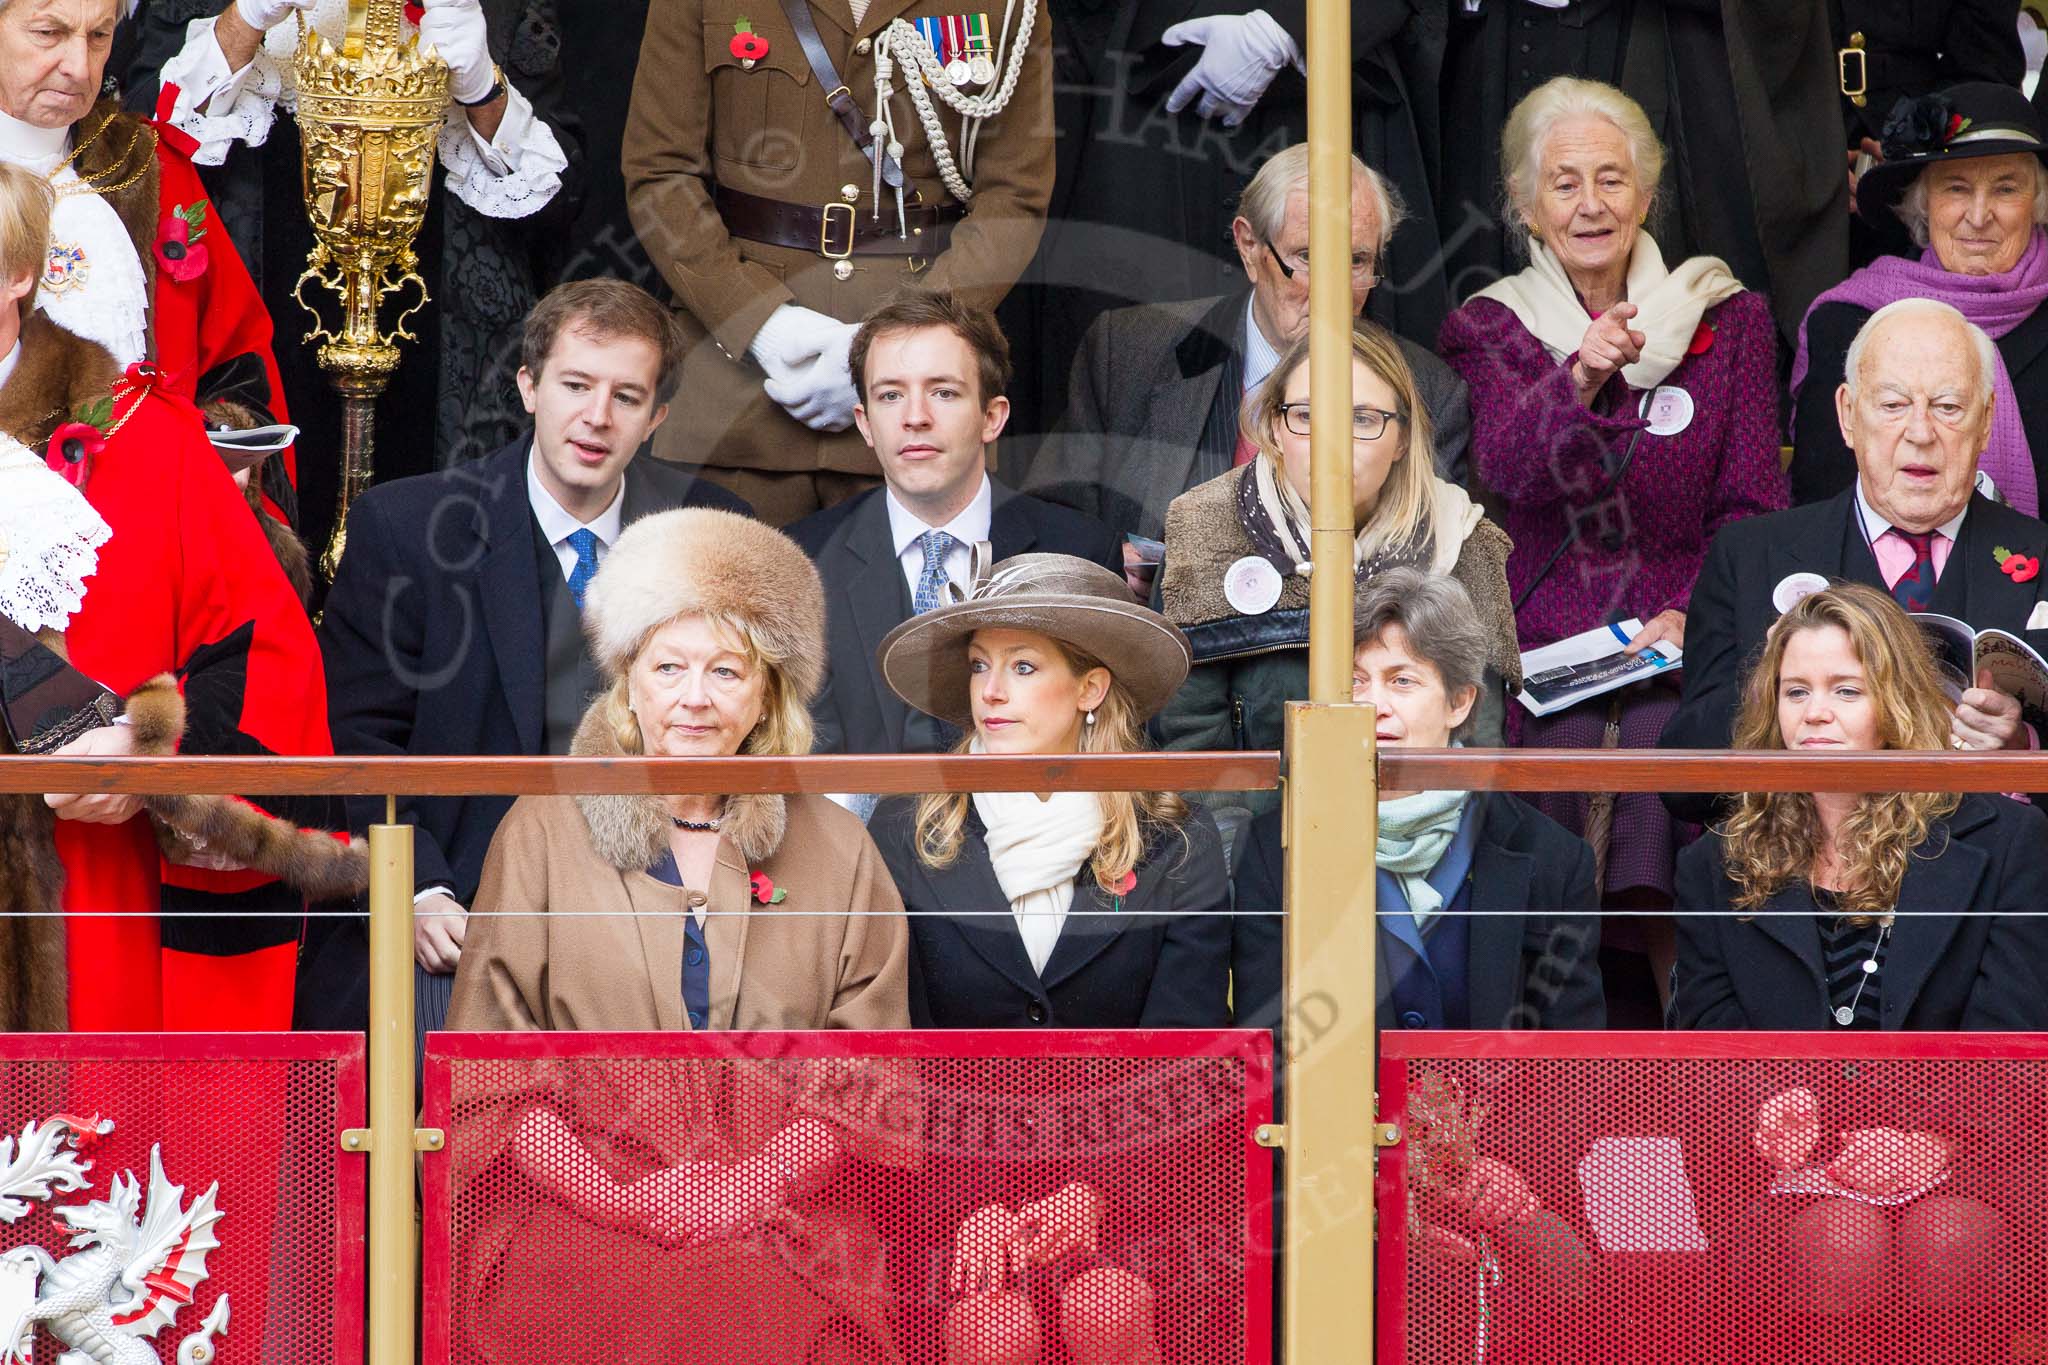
(924, 660)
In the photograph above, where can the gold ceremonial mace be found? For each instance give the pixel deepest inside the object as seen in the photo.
(369, 116)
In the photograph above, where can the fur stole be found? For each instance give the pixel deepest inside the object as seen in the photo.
(631, 832)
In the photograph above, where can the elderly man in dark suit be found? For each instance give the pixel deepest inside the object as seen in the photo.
(1152, 409)
(1916, 409)
(930, 372)
(454, 624)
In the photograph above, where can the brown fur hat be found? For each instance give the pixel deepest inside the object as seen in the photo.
(699, 560)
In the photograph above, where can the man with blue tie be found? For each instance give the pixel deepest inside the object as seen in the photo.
(1916, 409)
(454, 624)
(930, 373)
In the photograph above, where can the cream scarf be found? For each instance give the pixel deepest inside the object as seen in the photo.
(1037, 849)
(1455, 517)
(1669, 304)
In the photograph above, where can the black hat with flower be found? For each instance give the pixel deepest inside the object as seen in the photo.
(1971, 119)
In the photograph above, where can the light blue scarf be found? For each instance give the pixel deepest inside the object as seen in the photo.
(1414, 831)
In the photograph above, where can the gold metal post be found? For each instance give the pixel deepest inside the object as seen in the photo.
(1330, 802)
(1328, 1159)
(393, 1253)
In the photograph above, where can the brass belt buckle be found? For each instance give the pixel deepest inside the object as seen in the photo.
(825, 231)
(1858, 91)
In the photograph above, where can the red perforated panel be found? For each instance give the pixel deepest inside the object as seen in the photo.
(261, 1114)
(1709, 1197)
(814, 1198)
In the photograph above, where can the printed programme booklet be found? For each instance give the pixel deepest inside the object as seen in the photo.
(1588, 664)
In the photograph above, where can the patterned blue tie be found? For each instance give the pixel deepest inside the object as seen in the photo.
(931, 581)
(583, 541)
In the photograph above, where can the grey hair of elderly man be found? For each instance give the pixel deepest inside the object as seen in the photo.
(1915, 406)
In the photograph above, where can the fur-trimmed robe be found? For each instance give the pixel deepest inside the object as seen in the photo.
(211, 335)
(186, 586)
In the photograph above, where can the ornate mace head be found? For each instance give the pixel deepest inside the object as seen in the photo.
(369, 115)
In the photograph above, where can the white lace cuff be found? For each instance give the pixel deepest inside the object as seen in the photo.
(511, 175)
(49, 542)
(238, 106)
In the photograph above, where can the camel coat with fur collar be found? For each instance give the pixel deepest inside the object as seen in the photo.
(833, 954)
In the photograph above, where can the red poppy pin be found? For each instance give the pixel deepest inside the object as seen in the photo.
(1956, 124)
(178, 247)
(75, 444)
(1123, 886)
(2018, 567)
(766, 892)
(746, 45)
(1702, 340)
(415, 13)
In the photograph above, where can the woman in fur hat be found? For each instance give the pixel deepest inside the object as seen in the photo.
(1118, 919)
(752, 912)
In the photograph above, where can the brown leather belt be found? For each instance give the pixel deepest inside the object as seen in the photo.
(836, 231)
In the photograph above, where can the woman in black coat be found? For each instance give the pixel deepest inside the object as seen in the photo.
(1070, 910)
(1894, 910)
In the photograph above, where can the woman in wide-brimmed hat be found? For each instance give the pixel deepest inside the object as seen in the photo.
(689, 912)
(1069, 909)
(1963, 171)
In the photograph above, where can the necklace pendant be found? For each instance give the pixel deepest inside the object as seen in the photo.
(66, 269)
(1844, 1015)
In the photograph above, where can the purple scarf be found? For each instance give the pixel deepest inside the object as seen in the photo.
(1997, 303)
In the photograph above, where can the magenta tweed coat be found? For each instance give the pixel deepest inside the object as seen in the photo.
(1542, 453)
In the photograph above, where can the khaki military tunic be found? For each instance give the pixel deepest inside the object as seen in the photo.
(700, 118)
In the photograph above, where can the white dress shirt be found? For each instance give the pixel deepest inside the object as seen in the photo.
(558, 525)
(1260, 355)
(968, 530)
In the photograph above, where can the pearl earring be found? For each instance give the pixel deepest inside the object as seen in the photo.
(1091, 717)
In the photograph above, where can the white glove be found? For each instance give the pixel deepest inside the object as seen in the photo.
(455, 29)
(1241, 53)
(804, 353)
(263, 15)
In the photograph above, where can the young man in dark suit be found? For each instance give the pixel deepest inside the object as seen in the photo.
(454, 627)
(930, 372)
(1916, 409)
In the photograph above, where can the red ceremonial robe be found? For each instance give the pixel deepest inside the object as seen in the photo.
(209, 333)
(187, 585)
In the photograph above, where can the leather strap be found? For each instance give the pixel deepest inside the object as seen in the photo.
(798, 12)
(835, 231)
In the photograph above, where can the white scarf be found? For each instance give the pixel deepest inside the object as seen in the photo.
(1037, 849)
(1455, 517)
(1669, 304)
(49, 541)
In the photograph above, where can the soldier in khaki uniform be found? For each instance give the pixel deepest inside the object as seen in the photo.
(752, 190)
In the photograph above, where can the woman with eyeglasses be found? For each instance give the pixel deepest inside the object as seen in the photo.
(1623, 411)
(1237, 556)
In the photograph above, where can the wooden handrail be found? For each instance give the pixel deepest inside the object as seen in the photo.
(1509, 770)
(1247, 771)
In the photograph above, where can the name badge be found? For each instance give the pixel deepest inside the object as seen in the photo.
(1795, 588)
(1251, 586)
(1668, 409)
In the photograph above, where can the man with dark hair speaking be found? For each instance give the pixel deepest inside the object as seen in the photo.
(454, 625)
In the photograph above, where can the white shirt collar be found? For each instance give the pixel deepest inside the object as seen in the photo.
(556, 523)
(27, 145)
(970, 528)
(1260, 358)
(1875, 525)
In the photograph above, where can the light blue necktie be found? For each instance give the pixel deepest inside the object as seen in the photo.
(583, 541)
(931, 582)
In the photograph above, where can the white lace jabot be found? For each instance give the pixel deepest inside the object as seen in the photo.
(49, 541)
(510, 175)
(95, 286)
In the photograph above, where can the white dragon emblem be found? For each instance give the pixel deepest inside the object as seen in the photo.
(138, 1262)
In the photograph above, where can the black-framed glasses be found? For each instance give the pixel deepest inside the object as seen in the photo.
(1365, 266)
(1366, 423)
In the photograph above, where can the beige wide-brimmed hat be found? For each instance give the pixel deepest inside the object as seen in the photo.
(1072, 600)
